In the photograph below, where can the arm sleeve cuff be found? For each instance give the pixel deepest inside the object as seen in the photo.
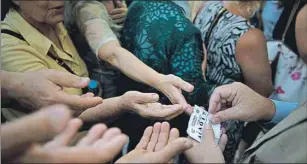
(283, 109)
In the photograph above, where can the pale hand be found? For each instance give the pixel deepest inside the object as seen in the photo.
(158, 145)
(207, 151)
(100, 145)
(172, 87)
(146, 105)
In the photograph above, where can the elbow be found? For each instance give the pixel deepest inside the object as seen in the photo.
(109, 54)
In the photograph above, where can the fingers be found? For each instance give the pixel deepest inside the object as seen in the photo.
(189, 110)
(176, 147)
(65, 79)
(120, 21)
(163, 136)
(208, 134)
(143, 98)
(78, 102)
(174, 134)
(159, 111)
(101, 154)
(175, 96)
(94, 134)
(37, 127)
(65, 137)
(107, 136)
(225, 115)
(118, 13)
(172, 111)
(181, 84)
(223, 142)
(154, 137)
(120, 4)
(110, 133)
(112, 147)
(89, 94)
(222, 95)
(145, 139)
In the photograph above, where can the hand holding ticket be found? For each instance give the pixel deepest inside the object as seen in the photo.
(197, 121)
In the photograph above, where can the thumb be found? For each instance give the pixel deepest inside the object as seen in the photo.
(65, 79)
(147, 98)
(174, 148)
(37, 127)
(225, 115)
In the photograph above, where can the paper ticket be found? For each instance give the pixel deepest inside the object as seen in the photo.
(199, 118)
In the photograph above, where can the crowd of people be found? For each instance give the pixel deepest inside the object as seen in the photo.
(244, 61)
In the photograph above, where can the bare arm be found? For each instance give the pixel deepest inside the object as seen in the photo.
(108, 110)
(6, 86)
(93, 21)
(251, 54)
(301, 33)
(143, 104)
(113, 53)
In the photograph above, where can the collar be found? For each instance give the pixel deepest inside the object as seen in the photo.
(35, 39)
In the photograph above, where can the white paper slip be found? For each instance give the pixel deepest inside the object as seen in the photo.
(199, 118)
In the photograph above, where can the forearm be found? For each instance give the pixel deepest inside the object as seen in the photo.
(262, 85)
(108, 110)
(127, 63)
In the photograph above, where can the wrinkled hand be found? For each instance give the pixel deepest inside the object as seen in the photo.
(145, 104)
(236, 101)
(207, 151)
(119, 14)
(172, 87)
(100, 144)
(158, 145)
(34, 90)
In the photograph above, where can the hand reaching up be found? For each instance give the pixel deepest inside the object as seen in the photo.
(158, 145)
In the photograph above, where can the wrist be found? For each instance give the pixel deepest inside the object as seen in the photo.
(270, 110)
(157, 81)
(123, 103)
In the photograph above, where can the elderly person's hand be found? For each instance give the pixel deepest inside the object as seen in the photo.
(207, 151)
(145, 104)
(236, 101)
(158, 145)
(119, 13)
(100, 144)
(35, 90)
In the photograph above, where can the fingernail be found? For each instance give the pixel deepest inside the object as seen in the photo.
(155, 96)
(85, 79)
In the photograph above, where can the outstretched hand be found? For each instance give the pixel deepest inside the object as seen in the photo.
(54, 123)
(158, 145)
(146, 105)
(172, 86)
